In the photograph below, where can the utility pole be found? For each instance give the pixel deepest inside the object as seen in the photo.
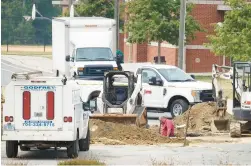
(69, 4)
(116, 17)
(182, 33)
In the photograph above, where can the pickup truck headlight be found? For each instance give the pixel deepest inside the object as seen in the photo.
(196, 95)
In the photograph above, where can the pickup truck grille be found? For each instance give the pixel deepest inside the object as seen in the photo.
(95, 71)
(206, 95)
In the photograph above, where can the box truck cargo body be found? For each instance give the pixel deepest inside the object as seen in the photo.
(89, 43)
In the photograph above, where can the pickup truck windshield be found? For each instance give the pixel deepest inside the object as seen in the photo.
(175, 75)
(94, 54)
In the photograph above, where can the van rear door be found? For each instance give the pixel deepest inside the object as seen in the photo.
(38, 107)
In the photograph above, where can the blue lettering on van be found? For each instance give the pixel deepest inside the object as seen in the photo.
(40, 123)
(38, 88)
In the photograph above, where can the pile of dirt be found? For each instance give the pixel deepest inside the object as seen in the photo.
(200, 118)
(120, 134)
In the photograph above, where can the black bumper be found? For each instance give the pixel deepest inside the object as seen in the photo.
(206, 95)
(241, 114)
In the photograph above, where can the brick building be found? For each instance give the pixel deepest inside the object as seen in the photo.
(198, 58)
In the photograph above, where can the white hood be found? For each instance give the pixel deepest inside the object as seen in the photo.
(83, 63)
(196, 85)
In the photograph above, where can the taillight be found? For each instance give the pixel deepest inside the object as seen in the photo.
(70, 119)
(67, 119)
(247, 102)
(8, 118)
(26, 105)
(50, 105)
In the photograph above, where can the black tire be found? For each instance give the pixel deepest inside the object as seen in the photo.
(24, 148)
(11, 149)
(72, 151)
(178, 107)
(84, 144)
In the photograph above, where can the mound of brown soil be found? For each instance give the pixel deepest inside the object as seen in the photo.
(120, 134)
(200, 118)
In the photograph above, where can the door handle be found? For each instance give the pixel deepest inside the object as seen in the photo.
(164, 91)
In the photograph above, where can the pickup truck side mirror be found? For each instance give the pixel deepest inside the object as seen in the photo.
(159, 82)
(67, 58)
(193, 76)
(90, 106)
(155, 81)
(152, 81)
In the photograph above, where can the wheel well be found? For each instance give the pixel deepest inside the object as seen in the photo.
(175, 98)
(93, 95)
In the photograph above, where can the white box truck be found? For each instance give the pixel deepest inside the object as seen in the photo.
(84, 46)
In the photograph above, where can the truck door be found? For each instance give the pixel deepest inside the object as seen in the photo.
(153, 95)
(38, 107)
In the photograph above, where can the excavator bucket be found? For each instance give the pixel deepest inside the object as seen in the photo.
(138, 117)
(220, 124)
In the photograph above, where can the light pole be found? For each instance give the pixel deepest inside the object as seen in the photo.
(182, 34)
(116, 18)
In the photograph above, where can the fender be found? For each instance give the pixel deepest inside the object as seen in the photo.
(89, 88)
(188, 97)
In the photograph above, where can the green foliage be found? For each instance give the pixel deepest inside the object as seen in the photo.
(12, 20)
(233, 38)
(90, 8)
(154, 20)
(99, 8)
(16, 30)
(80, 162)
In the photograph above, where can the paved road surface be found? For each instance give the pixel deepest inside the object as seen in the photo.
(205, 154)
(7, 69)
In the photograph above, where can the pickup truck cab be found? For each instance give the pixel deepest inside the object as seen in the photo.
(170, 89)
(44, 112)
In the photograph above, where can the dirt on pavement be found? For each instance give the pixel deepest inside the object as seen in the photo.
(200, 118)
(120, 134)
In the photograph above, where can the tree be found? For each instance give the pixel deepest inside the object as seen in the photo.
(233, 37)
(155, 20)
(43, 27)
(98, 8)
(15, 27)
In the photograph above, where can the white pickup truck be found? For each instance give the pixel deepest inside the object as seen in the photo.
(166, 88)
(44, 112)
(170, 89)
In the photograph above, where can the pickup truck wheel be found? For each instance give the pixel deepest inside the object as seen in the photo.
(84, 144)
(24, 148)
(11, 149)
(72, 151)
(178, 107)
